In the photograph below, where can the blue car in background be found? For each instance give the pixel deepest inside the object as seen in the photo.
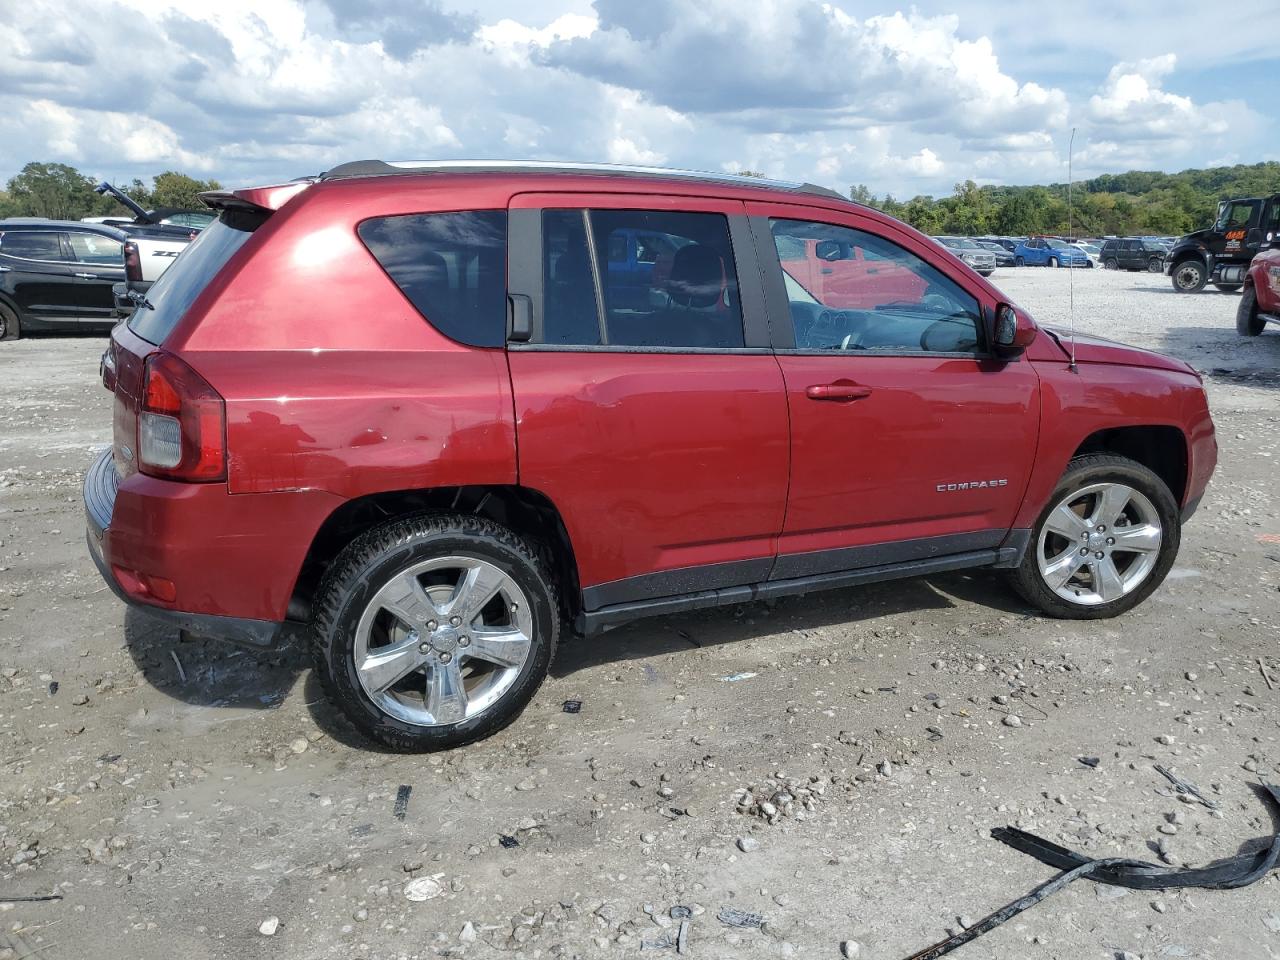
(1049, 252)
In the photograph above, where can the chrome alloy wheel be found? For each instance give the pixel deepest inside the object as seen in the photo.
(443, 640)
(1189, 276)
(1099, 543)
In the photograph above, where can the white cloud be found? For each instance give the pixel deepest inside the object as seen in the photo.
(800, 89)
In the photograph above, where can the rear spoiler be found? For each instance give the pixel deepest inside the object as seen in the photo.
(255, 199)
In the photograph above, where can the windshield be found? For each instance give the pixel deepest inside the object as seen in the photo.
(1059, 245)
(189, 274)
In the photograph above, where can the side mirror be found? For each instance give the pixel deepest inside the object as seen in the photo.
(1014, 331)
(833, 250)
(1254, 238)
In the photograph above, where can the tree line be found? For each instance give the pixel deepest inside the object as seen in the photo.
(1137, 203)
(61, 192)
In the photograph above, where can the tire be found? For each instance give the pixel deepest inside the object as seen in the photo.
(1188, 276)
(1053, 262)
(1248, 322)
(1155, 265)
(1095, 483)
(10, 325)
(1229, 287)
(1019, 262)
(1110, 264)
(353, 623)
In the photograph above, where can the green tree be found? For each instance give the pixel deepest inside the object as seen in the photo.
(173, 189)
(52, 190)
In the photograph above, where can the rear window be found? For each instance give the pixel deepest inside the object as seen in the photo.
(31, 246)
(451, 266)
(190, 273)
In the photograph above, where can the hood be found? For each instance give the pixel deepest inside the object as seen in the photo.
(1099, 350)
(1194, 239)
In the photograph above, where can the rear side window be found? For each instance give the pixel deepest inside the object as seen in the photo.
(31, 246)
(190, 273)
(678, 291)
(451, 266)
(94, 248)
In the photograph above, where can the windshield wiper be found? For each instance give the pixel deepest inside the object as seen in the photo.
(139, 299)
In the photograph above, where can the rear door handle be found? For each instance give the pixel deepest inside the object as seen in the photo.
(87, 276)
(842, 391)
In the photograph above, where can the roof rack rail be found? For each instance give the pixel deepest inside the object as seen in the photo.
(384, 168)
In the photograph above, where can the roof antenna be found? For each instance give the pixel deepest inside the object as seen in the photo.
(1071, 274)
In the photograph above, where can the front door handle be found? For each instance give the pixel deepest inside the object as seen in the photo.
(842, 391)
(87, 276)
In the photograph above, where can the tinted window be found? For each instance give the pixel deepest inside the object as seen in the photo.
(853, 290)
(680, 290)
(189, 274)
(32, 246)
(93, 248)
(451, 266)
(569, 312)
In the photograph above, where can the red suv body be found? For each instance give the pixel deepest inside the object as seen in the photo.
(416, 410)
(1260, 298)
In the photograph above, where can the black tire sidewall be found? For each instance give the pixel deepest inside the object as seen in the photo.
(1248, 323)
(12, 327)
(1080, 473)
(358, 586)
(1111, 264)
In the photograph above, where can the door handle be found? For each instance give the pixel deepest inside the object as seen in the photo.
(87, 276)
(842, 391)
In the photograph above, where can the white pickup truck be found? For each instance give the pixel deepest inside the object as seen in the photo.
(150, 248)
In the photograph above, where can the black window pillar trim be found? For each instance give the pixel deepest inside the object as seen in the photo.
(777, 306)
(524, 263)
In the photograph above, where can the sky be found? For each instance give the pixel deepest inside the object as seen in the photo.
(904, 99)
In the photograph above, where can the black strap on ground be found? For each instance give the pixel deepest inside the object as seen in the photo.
(1229, 874)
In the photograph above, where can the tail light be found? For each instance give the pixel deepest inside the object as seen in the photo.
(182, 424)
(132, 262)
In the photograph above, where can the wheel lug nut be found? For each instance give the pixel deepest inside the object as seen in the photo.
(424, 648)
(1098, 554)
(464, 641)
(1084, 551)
(455, 620)
(446, 657)
(1111, 541)
(431, 625)
(1102, 528)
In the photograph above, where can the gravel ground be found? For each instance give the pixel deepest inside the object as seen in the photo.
(195, 800)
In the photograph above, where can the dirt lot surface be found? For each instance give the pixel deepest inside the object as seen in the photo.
(186, 797)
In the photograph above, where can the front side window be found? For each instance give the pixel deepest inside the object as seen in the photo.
(31, 246)
(680, 290)
(853, 290)
(1236, 216)
(451, 266)
(93, 248)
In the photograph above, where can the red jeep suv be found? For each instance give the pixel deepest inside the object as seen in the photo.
(433, 412)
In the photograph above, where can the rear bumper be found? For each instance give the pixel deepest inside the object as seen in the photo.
(131, 572)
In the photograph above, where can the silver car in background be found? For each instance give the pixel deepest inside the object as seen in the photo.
(984, 261)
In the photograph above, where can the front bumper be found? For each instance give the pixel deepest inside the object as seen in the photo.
(101, 484)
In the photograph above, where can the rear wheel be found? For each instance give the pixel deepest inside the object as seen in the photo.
(1110, 263)
(435, 631)
(1228, 287)
(10, 327)
(1248, 321)
(1155, 265)
(1189, 276)
(1104, 543)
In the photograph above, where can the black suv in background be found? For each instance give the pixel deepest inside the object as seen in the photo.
(57, 274)
(1133, 254)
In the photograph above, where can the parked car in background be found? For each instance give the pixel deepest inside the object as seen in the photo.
(1133, 253)
(980, 258)
(1091, 250)
(1260, 297)
(510, 441)
(58, 275)
(155, 243)
(1004, 258)
(1049, 252)
(1009, 243)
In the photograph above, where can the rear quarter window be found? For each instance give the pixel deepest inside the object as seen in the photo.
(451, 266)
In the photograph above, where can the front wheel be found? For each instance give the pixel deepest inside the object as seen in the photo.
(10, 327)
(1189, 277)
(1155, 265)
(1019, 261)
(435, 631)
(1248, 321)
(1104, 543)
(1053, 261)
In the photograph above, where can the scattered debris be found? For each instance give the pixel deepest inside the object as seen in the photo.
(572, 706)
(1012, 720)
(53, 687)
(732, 917)
(934, 734)
(269, 926)
(735, 677)
(748, 844)
(1184, 787)
(682, 937)
(664, 942)
(1265, 675)
(43, 899)
(1090, 762)
(182, 674)
(1228, 874)
(680, 912)
(508, 841)
(424, 888)
(401, 807)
